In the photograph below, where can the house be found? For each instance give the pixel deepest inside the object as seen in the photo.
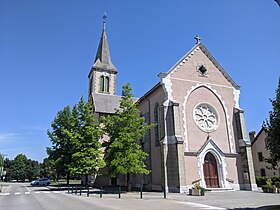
(200, 134)
(259, 153)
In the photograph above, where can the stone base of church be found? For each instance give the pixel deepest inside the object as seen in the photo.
(250, 187)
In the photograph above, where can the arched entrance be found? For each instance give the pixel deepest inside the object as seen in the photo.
(210, 171)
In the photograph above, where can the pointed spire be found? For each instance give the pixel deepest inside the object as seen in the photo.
(103, 58)
(104, 21)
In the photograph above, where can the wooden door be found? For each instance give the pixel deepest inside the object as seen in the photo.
(210, 171)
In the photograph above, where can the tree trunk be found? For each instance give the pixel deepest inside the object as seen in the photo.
(128, 182)
(68, 177)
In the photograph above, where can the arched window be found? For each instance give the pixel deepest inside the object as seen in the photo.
(104, 84)
(156, 121)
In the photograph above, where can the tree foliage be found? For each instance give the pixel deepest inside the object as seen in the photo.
(75, 141)
(87, 156)
(123, 154)
(48, 169)
(273, 130)
(19, 167)
(32, 169)
(61, 151)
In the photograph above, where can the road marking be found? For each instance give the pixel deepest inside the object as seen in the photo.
(37, 192)
(27, 193)
(46, 192)
(7, 188)
(27, 188)
(7, 193)
(203, 206)
(56, 192)
(17, 193)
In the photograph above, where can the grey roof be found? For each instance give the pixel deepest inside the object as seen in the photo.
(103, 58)
(106, 103)
(211, 58)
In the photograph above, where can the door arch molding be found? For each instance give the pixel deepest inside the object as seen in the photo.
(211, 147)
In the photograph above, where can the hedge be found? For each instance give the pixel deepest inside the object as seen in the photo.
(261, 180)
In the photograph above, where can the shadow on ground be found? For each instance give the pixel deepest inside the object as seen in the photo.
(270, 207)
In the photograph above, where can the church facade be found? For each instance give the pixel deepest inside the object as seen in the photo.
(200, 134)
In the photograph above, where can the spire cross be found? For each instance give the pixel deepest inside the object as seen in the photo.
(197, 39)
(104, 20)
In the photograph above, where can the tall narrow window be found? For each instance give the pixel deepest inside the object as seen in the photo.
(260, 155)
(104, 84)
(156, 121)
(263, 172)
(101, 84)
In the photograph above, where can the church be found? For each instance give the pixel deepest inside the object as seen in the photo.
(200, 133)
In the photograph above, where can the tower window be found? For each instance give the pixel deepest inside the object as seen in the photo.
(104, 84)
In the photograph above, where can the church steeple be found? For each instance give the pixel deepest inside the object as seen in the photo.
(102, 77)
(103, 58)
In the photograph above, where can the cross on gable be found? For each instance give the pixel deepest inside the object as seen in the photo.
(197, 39)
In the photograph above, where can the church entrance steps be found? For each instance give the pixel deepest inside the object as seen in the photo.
(219, 189)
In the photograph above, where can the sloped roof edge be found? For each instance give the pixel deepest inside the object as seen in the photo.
(211, 58)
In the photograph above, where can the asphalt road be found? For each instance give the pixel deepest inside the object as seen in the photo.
(22, 196)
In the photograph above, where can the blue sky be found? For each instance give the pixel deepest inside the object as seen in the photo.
(47, 49)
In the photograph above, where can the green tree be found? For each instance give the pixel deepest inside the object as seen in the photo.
(32, 169)
(8, 168)
(19, 167)
(47, 169)
(87, 158)
(1, 165)
(273, 130)
(62, 149)
(123, 154)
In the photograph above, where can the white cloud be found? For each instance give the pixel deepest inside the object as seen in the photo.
(4, 137)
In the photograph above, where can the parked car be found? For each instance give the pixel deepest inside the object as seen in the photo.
(42, 181)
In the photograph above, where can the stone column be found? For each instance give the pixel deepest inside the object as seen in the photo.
(249, 182)
(180, 148)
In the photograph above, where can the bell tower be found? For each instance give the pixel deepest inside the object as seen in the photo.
(102, 77)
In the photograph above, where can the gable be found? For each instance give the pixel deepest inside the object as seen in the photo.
(200, 66)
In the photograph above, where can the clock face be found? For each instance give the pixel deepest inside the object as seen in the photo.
(205, 117)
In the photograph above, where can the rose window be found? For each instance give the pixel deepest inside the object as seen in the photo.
(205, 117)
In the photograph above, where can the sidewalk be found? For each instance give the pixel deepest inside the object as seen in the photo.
(225, 199)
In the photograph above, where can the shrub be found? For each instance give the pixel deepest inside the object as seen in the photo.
(261, 180)
(277, 184)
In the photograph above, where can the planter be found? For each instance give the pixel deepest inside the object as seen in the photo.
(196, 192)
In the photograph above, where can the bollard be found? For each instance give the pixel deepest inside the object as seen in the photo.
(80, 190)
(100, 192)
(141, 192)
(119, 191)
(88, 191)
(76, 190)
(164, 192)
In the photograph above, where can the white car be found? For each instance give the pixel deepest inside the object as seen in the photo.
(42, 181)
